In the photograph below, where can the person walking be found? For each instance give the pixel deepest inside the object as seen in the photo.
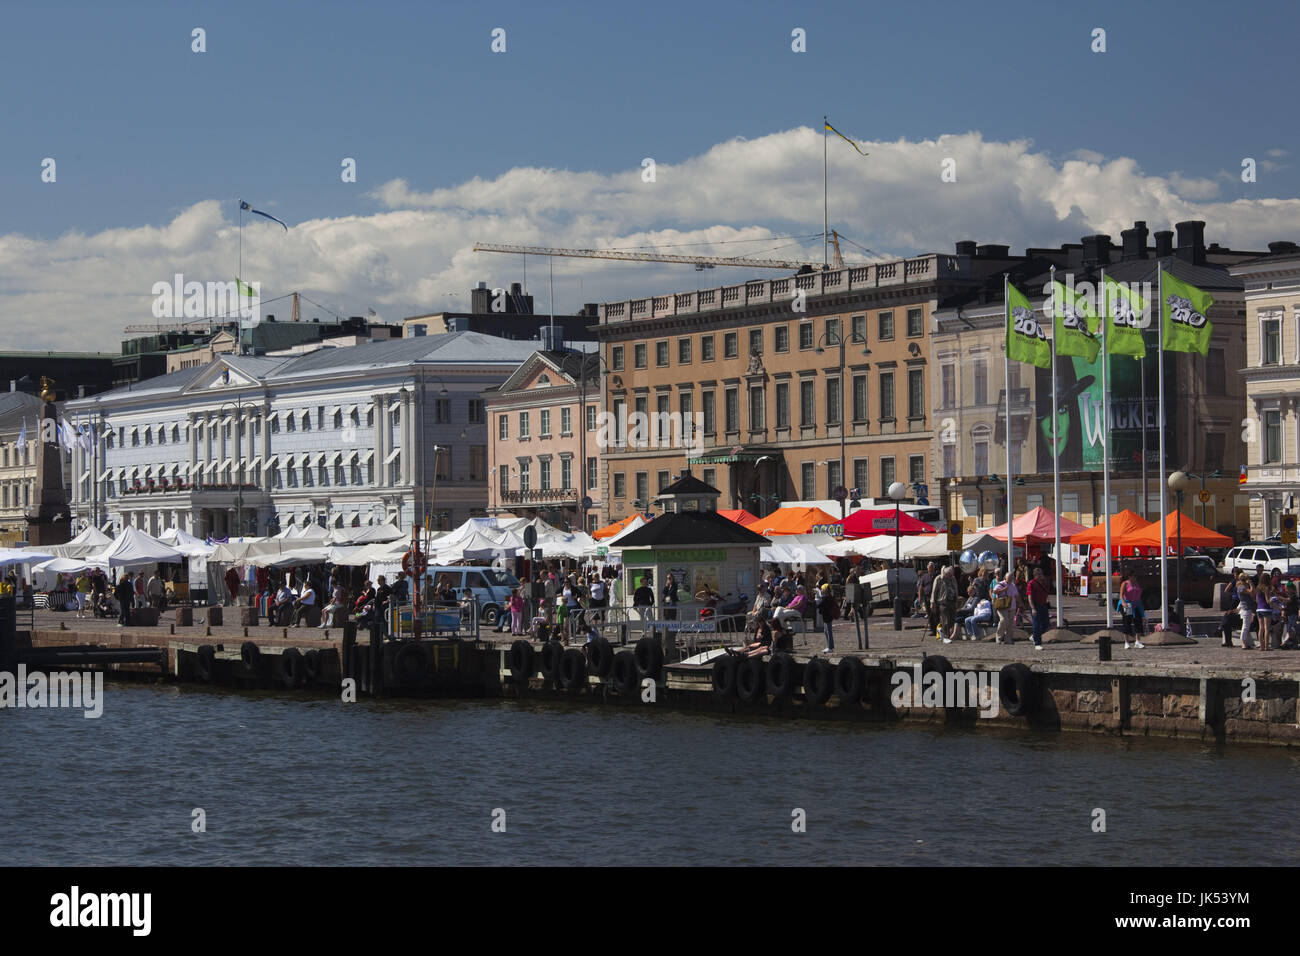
(83, 593)
(154, 591)
(1247, 597)
(1264, 612)
(1006, 601)
(1130, 595)
(829, 613)
(1038, 606)
(1228, 602)
(944, 598)
(125, 594)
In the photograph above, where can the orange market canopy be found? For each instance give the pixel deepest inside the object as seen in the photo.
(1194, 535)
(738, 515)
(791, 521)
(1124, 523)
(1038, 526)
(612, 529)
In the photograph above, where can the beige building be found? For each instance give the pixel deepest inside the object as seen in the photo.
(779, 389)
(1203, 394)
(17, 463)
(543, 456)
(1270, 430)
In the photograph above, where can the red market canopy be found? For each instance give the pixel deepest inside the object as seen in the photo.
(791, 521)
(738, 515)
(1038, 526)
(1124, 523)
(869, 522)
(1194, 535)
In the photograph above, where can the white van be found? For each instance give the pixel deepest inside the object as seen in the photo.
(492, 586)
(1273, 555)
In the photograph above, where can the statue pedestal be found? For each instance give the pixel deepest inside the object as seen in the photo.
(48, 520)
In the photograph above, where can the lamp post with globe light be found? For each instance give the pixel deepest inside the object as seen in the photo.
(898, 491)
(1178, 482)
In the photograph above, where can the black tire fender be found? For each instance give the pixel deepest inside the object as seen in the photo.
(311, 665)
(206, 663)
(649, 658)
(781, 676)
(250, 654)
(522, 659)
(850, 680)
(1018, 690)
(292, 670)
(573, 670)
(411, 662)
(552, 654)
(601, 656)
(750, 680)
(724, 676)
(818, 681)
(624, 673)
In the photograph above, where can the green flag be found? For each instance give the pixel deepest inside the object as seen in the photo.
(1124, 309)
(1026, 340)
(1074, 324)
(1184, 312)
(245, 289)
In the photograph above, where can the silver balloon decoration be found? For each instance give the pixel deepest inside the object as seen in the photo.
(968, 561)
(989, 560)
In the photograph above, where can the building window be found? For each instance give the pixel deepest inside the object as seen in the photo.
(730, 345)
(782, 404)
(683, 351)
(915, 393)
(916, 469)
(950, 461)
(887, 476)
(885, 326)
(639, 355)
(1035, 500)
(566, 473)
(338, 418)
(591, 418)
(592, 473)
(620, 485)
(643, 489)
(661, 354)
(661, 481)
(566, 420)
(733, 409)
(805, 335)
(641, 427)
(832, 331)
(477, 463)
(504, 476)
(1216, 374)
(886, 396)
(781, 338)
(544, 423)
(616, 358)
(711, 477)
(475, 411)
(858, 328)
(808, 481)
(525, 474)
(915, 323)
(503, 427)
(860, 470)
(756, 418)
(1214, 442)
(1070, 502)
(948, 385)
(981, 372)
(981, 457)
(833, 401)
(662, 417)
(807, 406)
(859, 398)
(708, 410)
(1270, 352)
(706, 348)
(442, 411)
(755, 341)
(1272, 437)
(523, 425)
(833, 478)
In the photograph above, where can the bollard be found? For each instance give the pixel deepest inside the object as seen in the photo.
(208, 630)
(1103, 646)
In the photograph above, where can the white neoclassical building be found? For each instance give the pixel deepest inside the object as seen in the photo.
(380, 432)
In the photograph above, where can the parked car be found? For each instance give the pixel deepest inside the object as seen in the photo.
(1199, 579)
(1272, 554)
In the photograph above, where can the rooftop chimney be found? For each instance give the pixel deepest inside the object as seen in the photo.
(1282, 248)
(966, 247)
(516, 288)
(1191, 241)
(1134, 241)
(1096, 251)
(989, 251)
(481, 285)
(1164, 244)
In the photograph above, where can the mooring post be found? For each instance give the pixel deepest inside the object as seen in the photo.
(376, 657)
(345, 654)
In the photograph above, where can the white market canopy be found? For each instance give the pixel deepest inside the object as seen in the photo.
(67, 566)
(10, 556)
(134, 548)
(186, 543)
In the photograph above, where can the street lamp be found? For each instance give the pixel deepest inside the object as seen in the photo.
(833, 337)
(1178, 485)
(898, 491)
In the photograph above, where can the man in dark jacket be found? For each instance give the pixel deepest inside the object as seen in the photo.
(125, 594)
(382, 595)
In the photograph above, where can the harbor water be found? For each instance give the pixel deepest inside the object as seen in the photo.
(283, 779)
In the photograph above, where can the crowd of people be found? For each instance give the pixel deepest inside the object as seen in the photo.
(1264, 606)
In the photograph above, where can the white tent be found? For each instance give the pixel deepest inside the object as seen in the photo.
(245, 551)
(310, 532)
(186, 543)
(65, 566)
(480, 545)
(294, 557)
(637, 522)
(133, 548)
(10, 556)
(367, 534)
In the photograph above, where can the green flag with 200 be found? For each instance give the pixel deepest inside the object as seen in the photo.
(1124, 310)
(1184, 310)
(1026, 340)
(1073, 324)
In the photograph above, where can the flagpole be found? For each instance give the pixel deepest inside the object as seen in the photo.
(1006, 371)
(1105, 440)
(826, 209)
(1056, 458)
(239, 324)
(1160, 423)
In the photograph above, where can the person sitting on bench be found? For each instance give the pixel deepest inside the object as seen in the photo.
(793, 610)
(983, 614)
(306, 599)
(282, 606)
(762, 643)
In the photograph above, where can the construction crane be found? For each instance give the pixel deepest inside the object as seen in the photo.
(700, 262)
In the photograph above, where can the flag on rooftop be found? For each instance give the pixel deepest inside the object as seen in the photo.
(842, 136)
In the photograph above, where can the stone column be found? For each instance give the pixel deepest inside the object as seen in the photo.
(193, 436)
(381, 440)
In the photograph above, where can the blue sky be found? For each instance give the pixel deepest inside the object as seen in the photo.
(143, 129)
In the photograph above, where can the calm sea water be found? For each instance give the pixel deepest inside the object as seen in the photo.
(310, 780)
